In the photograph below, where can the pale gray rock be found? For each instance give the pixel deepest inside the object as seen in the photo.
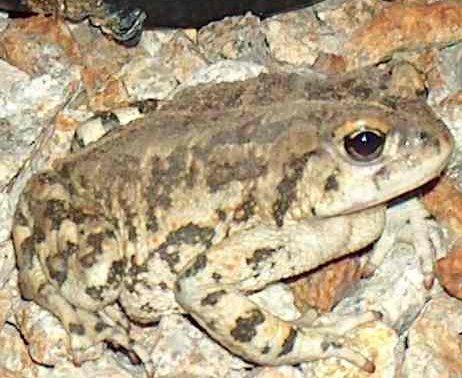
(27, 105)
(277, 372)
(145, 78)
(449, 75)
(14, 358)
(3, 21)
(238, 38)
(107, 366)
(7, 262)
(223, 71)
(182, 56)
(47, 341)
(434, 341)
(445, 97)
(293, 37)
(183, 349)
(344, 17)
(153, 40)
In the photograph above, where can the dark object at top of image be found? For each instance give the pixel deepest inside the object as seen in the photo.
(124, 20)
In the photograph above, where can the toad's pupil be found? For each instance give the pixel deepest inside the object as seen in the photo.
(366, 145)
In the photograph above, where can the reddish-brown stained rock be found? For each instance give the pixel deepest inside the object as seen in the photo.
(23, 42)
(405, 26)
(445, 203)
(325, 287)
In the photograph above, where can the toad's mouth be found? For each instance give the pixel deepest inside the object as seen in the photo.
(357, 207)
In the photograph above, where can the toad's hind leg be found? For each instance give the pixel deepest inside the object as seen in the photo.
(213, 288)
(69, 261)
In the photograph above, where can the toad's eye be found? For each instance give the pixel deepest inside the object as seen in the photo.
(365, 145)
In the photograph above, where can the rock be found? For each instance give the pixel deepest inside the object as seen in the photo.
(38, 44)
(445, 97)
(183, 349)
(102, 60)
(326, 286)
(404, 26)
(373, 340)
(5, 305)
(449, 271)
(223, 71)
(145, 78)
(293, 37)
(182, 57)
(277, 372)
(349, 15)
(434, 341)
(107, 366)
(445, 79)
(7, 262)
(153, 40)
(27, 105)
(47, 341)
(236, 38)
(14, 358)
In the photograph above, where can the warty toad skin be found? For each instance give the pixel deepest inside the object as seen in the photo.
(225, 190)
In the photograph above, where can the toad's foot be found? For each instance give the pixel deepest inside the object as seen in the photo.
(409, 223)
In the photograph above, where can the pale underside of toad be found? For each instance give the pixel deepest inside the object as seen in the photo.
(227, 189)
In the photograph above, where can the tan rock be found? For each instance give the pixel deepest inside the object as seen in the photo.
(5, 305)
(449, 271)
(445, 203)
(407, 82)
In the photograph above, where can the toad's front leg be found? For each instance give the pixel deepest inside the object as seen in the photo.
(213, 287)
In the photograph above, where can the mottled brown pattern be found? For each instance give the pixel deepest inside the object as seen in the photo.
(245, 329)
(222, 173)
(58, 264)
(261, 254)
(286, 188)
(212, 298)
(199, 264)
